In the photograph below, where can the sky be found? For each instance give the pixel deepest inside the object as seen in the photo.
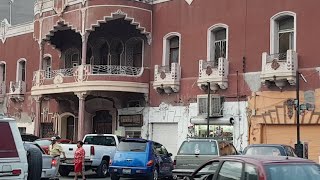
(22, 11)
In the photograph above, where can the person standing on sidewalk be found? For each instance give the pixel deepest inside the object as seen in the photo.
(55, 150)
(79, 161)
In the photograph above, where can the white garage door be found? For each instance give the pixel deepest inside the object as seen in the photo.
(167, 135)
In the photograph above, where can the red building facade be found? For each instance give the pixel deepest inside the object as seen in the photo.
(142, 68)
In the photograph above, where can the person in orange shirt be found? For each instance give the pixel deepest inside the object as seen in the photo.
(79, 161)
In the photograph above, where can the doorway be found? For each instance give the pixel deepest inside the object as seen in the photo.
(102, 122)
(70, 128)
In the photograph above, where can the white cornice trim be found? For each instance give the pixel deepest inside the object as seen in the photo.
(16, 30)
(90, 85)
(20, 29)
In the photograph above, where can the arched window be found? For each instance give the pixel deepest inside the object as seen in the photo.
(47, 60)
(104, 53)
(283, 33)
(21, 70)
(2, 71)
(72, 58)
(116, 52)
(171, 48)
(90, 57)
(217, 42)
(134, 52)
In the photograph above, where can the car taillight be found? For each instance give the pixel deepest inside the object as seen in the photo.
(110, 162)
(54, 162)
(174, 164)
(150, 163)
(92, 150)
(16, 172)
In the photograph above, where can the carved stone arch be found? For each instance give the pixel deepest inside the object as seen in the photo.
(59, 26)
(118, 15)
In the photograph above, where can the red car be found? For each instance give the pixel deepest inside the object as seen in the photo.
(44, 143)
(257, 168)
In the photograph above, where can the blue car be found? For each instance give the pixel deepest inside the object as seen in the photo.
(141, 158)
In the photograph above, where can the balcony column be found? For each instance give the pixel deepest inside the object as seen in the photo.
(82, 97)
(84, 47)
(37, 119)
(41, 48)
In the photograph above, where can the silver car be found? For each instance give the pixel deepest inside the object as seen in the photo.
(49, 169)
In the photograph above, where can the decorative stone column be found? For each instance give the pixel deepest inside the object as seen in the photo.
(84, 48)
(82, 97)
(37, 120)
(41, 48)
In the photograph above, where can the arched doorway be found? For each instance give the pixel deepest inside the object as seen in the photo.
(68, 126)
(102, 122)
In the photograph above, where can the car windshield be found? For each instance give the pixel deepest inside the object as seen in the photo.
(293, 171)
(198, 147)
(43, 142)
(266, 150)
(100, 140)
(132, 146)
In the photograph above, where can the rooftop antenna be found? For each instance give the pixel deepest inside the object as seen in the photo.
(10, 11)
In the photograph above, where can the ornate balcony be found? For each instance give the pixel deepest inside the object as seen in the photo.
(17, 90)
(279, 68)
(91, 77)
(167, 78)
(216, 75)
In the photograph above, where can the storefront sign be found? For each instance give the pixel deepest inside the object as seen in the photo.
(131, 120)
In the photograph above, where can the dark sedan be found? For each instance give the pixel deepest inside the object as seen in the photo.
(257, 168)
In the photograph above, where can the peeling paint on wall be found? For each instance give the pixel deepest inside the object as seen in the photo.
(253, 80)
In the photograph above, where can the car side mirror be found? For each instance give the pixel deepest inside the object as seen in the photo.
(169, 154)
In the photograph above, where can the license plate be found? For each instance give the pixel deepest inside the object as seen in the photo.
(126, 171)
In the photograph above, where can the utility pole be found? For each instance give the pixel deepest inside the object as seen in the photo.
(208, 110)
(298, 146)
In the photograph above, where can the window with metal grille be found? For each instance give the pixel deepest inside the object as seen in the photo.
(219, 44)
(216, 105)
(285, 34)
(174, 50)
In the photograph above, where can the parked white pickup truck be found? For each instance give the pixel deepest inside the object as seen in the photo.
(100, 148)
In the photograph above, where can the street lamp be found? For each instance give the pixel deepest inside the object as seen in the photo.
(208, 109)
(298, 146)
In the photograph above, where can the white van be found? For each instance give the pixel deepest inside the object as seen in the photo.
(13, 156)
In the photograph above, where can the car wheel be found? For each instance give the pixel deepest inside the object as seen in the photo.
(64, 171)
(155, 174)
(102, 170)
(34, 163)
(114, 177)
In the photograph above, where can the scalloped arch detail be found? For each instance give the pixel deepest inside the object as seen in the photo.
(120, 14)
(60, 24)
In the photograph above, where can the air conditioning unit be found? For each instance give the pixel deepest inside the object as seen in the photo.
(216, 105)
